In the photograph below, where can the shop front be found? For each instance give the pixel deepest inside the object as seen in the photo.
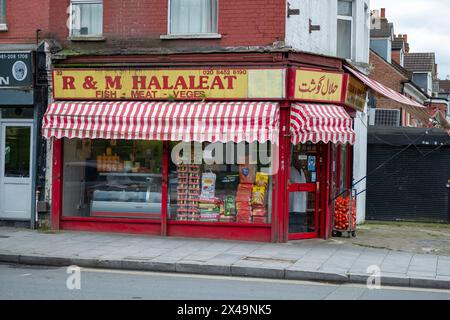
(211, 152)
(17, 114)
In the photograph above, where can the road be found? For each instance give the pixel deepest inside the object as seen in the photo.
(37, 282)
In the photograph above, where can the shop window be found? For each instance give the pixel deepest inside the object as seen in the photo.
(86, 18)
(17, 152)
(112, 178)
(193, 17)
(17, 113)
(304, 163)
(345, 29)
(220, 182)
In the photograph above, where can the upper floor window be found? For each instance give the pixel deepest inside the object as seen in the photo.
(345, 29)
(2, 11)
(193, 17)
(87, 18)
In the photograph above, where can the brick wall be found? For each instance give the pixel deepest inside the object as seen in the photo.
(241, 22)
(388, 76)
(395, 56)
(23, 18)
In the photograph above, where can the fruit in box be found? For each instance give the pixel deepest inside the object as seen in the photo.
(341, 214)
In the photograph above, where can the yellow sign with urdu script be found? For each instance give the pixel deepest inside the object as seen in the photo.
(168, 84)
(319, 86)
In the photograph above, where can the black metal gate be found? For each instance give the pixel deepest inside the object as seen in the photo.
(410, 181)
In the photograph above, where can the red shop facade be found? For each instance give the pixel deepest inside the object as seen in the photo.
(243, 146)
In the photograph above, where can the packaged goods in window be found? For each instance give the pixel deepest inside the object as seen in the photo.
(244, 216)
(210, 209)
(244, 193)
(262, 179)
(230, 205)
(259, 212)
(188, 192)
(247, 173)
(258, 219)
(225, 218)
(259, 196)
(208, 185)
(243, 202)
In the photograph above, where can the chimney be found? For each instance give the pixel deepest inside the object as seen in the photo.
(405, 39)
(383, 12)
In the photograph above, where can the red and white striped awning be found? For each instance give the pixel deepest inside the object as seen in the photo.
(166, 121)
(326, 123)
(418, 110)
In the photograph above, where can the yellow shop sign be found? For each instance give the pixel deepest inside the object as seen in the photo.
(319, 86)
(355, 96)
(168, 84)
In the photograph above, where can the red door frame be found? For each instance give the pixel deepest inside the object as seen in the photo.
(306, 187)
(320, 194)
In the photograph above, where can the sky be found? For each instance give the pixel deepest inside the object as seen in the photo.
(427, 24)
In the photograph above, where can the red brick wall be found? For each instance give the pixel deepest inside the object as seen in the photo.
(396, 56)
(23, 18)
(387, 75)
(241, 22)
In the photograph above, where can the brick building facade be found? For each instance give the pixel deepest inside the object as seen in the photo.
(143, 22)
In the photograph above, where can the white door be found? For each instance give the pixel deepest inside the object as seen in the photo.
(15, 170)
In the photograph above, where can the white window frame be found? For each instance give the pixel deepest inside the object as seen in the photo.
(72, 2)
(352, 32)
(3, 25)
(366, 32)
(210, 35)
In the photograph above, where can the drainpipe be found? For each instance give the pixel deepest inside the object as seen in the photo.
(36, 213)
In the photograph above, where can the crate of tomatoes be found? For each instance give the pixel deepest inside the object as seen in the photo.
(345, 214)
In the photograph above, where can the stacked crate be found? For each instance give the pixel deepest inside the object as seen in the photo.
(188, 192)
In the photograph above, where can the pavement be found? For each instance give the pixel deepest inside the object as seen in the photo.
(21, 282)
(334, 261)
(414, 237)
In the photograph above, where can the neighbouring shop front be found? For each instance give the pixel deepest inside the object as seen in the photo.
(17, 136)
(236, 152)
(395, 153)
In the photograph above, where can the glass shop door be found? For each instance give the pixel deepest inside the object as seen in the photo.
(15, 170)
(303, 191)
